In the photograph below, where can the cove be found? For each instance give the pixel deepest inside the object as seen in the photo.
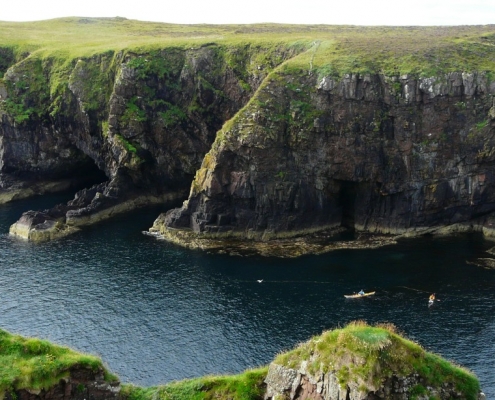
(156, 312)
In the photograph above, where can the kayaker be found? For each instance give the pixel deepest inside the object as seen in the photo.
(432, 298)
(361, 292)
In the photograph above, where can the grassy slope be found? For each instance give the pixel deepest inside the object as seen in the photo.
(38, 364)
(424, 51)
(367, 355)
(246, 386)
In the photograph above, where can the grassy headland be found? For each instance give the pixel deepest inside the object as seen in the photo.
(30, 363)
(424, 51)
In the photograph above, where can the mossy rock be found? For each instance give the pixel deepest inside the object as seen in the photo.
(369, 358)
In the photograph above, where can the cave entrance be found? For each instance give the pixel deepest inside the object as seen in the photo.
(347, 203)
(87, 174)
(81, 171)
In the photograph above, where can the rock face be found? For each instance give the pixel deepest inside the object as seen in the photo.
(139, 123)
(373, 153)
(284, 383)
(82, 384)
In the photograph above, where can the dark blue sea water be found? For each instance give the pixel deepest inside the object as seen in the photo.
(156, 312)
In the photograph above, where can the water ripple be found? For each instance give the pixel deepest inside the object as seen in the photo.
(157, 313)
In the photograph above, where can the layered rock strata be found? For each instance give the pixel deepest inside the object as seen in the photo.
(374, 153)
(291, 384)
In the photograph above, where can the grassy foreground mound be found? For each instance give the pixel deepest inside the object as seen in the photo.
(366, 356)
(34, 364)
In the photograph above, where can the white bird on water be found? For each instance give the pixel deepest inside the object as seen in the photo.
(260, 280)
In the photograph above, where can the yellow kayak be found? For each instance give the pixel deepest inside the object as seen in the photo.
(355, 296)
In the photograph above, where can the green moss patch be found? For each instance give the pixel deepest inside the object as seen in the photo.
(28, 363)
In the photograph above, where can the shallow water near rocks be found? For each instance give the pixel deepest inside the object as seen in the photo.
(156, 312)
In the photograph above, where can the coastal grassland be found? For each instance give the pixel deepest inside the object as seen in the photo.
(333, 49)
(246, 386)
(367, 355)
(30, 363)
(86, 53)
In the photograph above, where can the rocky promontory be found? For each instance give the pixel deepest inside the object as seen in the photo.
(361, 362)
(276, 132)
(372, 153)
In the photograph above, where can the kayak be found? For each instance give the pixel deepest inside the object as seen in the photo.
(355, 296)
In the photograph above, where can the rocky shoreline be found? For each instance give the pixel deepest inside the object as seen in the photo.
(315, 243)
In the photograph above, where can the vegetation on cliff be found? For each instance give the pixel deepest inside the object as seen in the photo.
(426, 51)
(368, 355)
(358, 353)
(246, 386)
(34, 364)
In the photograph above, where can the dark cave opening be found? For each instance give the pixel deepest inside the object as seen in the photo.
(87, 175)
(347, 202)
(82, 172)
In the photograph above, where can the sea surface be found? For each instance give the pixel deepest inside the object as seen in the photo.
(156, 312)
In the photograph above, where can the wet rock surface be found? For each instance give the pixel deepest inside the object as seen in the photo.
(306, 243)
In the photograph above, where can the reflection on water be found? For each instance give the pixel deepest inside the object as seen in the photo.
(155, 312)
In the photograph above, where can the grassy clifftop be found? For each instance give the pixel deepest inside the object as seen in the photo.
(34, 364)
(424, 51)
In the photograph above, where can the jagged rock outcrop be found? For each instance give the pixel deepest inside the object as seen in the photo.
(144, 120)
(285, 383)
(400, 155)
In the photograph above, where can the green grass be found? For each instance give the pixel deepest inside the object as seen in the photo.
(246, 386)
(369, 354)
(38, 364)
(422, 51)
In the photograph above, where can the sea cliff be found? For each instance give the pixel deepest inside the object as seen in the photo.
(275, 131)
